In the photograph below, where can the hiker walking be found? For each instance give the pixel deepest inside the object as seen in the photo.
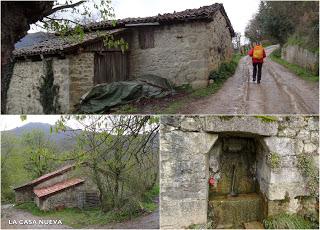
(258, 54)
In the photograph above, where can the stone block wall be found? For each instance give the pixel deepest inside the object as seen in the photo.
(81, 74)
(183, 53)
(24, 195)
(186, 142)
(61, 74)
(297, 55)
(73, 76)
(54, 180)
(69, 198)
(23, 93)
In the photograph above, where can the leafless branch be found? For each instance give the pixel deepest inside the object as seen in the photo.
(65, 7)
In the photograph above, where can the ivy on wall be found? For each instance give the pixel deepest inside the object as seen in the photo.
(6, 75)
(48, 90)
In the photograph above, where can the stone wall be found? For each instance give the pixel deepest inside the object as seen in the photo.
(61, 72)
(23, 93)
(69, 198)
(73, 76)
(81, 76)
(302, 57)
(185, 145)
(24, 195)
(183, 53)
(54, 180)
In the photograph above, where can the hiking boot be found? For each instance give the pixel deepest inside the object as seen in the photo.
(258, 82)
(253, 79)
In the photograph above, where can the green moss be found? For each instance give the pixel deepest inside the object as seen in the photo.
(267, 118)
(173, 107)
(287, 221)
(274, 160)
(49, 91)
(127, 109)
(309, 170)
(301, 72)
(226, 118)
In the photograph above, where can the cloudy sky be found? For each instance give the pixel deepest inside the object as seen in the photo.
(8, 122)
(239, 12)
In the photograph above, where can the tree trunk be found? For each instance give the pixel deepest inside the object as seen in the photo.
(15, 22)
(16, 18)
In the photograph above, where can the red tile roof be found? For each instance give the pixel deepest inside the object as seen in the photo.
(47, 176)
(42, 192)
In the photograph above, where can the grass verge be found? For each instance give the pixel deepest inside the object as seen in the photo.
(287, 221)
(74, 217)
(301, 72)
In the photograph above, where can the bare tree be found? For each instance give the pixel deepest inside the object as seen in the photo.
(121, 153)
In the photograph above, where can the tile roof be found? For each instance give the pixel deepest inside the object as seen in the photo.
(43, 192)
(47, 176)
(203, 13)
(59, 44)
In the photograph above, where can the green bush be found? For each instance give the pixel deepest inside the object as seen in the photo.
(219, 76)
(287, 221)
(277, 53)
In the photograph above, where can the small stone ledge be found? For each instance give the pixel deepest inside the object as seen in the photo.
(249, 125)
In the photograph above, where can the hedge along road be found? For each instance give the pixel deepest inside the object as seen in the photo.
(280, 92)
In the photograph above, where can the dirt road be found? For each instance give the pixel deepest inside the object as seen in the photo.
(12, 218)
(280, 92)
(150, 221)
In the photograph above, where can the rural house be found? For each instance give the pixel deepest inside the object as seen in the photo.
(59, 189)
(183, 47)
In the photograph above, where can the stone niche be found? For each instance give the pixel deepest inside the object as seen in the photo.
(234, 197)
(264, 153)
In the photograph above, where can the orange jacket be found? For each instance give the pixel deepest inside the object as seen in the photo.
(254, 60)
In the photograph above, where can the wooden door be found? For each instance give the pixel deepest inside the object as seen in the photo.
(110, 67)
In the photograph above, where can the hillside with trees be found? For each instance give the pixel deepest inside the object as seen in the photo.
(282, 22)
(120, 155)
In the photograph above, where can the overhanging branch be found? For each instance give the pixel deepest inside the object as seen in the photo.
(65, 7)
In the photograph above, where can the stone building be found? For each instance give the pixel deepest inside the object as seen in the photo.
(50, 77)
(256, 166)
(63, 188)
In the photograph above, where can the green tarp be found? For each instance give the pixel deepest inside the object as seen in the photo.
(104, 96)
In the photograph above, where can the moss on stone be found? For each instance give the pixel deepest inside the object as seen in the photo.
(267, 119)
(226, 118)
(274, 160)
(310, 171)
